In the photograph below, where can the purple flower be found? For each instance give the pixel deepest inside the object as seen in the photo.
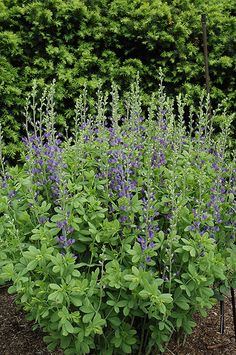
(150, 233)
(12, 193)
(69, 242)
(151, 245)
(62, 224)
(43, 220)
(122, 193)
(113, 160)
(61, 239)
(142, 242)
(39, 161)
(3, 184)
(133, 184)
(215, 167)
(36, 171)
(162, 141)
(123, 219)
(196, 224)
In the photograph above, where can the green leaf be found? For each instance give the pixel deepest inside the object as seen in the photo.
(32, 265)
(111, 302)
(11, 290)
(192, 269)
(52, 345)
(126, 311)
(88, 317)
(65, 341)
(8, 272)
(24, 298)
(56, 269)
(166, 298)
(76, 301)
(115, 321)
(144, 294)
(68, 327)
(53, 296)
(126, 348)
(54, 286)
(87, 307)
(186, 289)
(98, 321)
(182, 303)
(191, 250)
(122, 303)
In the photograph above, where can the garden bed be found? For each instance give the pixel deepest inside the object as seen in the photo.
(17, 337)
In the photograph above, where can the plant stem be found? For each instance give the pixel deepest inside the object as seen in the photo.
(142, 336)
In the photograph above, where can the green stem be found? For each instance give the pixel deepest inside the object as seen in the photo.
(142, 336)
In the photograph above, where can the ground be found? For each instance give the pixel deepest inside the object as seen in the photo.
(17, 337)
(206, 338)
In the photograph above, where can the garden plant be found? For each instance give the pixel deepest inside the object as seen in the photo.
(115, 236)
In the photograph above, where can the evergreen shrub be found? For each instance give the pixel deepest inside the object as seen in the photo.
(79, 41)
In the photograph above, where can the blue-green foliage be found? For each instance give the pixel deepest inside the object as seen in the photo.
(116, 237)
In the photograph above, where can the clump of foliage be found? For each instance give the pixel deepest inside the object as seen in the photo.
(76, 41)
(116, 236)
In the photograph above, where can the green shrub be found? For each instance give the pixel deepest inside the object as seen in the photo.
(116, 237)
(88, 41)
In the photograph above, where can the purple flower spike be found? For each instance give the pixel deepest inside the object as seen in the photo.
(152, 245)
(123, 219)
(12, 193)
(62, 224)
(150, 233)
(215, 167)
(142, 242)
(69, 242)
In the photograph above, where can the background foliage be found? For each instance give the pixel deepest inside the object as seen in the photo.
(75, 41)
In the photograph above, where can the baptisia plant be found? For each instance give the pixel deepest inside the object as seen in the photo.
(116, 236)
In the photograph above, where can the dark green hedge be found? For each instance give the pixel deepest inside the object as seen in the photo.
(77, 41)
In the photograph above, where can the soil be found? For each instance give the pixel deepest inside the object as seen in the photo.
(206, 338)
(17, 337)
(16, 334)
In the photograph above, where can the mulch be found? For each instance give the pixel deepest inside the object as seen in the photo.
(206, 338)
(16, 334)
(18, 338)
